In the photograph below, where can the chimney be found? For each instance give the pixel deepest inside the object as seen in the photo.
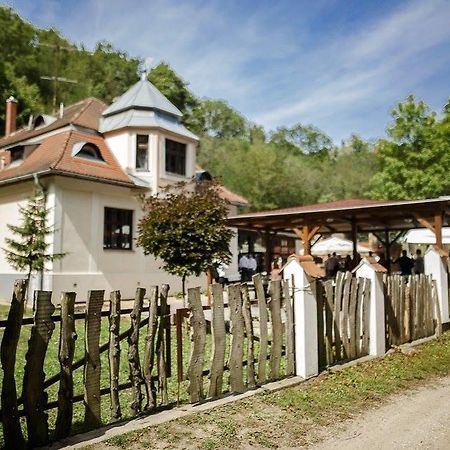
(11, 114)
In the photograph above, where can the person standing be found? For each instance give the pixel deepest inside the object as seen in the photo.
(252, 265)
(419, 266)
(244, 267)
(406, 263)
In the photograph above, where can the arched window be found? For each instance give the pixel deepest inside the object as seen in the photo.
(87, 150)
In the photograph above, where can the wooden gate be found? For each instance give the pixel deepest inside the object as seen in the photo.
(412, 308)
(343, 319)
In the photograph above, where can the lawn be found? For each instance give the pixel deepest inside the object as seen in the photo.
(293, 417)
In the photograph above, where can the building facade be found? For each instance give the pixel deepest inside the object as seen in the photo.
(94, 162)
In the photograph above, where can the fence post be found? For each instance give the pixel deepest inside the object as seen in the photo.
(303, 272)
(377, 337)
(436, 266)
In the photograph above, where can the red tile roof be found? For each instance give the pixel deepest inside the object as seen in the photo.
(85, 113)
(54, 154)
(335, 205)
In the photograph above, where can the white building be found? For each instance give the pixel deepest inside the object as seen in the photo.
(94, 161)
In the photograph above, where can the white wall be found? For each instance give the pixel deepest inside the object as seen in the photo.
(86, 264)
(11, 198)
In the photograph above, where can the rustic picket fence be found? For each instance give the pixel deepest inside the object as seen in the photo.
(275, 337)
(412, 308)
(343, 318)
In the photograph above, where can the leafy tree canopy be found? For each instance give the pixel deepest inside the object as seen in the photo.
(414, 162)
(186, 227)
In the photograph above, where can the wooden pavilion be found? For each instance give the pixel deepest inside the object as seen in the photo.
(353, 216)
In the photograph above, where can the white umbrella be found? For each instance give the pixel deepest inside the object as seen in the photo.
(335, 244)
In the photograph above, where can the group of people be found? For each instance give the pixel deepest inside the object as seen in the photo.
(408, 266)
(335, 263)
(247, 266)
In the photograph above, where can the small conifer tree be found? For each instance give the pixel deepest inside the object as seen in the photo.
(28, 252)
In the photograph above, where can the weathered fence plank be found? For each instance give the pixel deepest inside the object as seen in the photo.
(114, 353)
(247, 313)
(237, 338)
(329, 310)
(352, 318)
(34, 395)
(162, 344)
(290, 349)
(149, 351)
(344, 315)
(12, 432)
(340, 277)
(198, 337)
(276, 347)
(218, 334)
(133, 352)
(67, 338)
(437, 309)
(92, 368)
(263, 331)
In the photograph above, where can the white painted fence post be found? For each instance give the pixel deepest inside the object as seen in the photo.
(436, 266)
(377, 335)
(305, 313)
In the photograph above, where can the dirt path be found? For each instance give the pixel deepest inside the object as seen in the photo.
(417, 420)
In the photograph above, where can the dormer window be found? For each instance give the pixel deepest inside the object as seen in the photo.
(142, 152)
(87, 150)
(175, 157)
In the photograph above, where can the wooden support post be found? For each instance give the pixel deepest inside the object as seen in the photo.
(438, 230)
(387, 250)
(306, 234)
(268, 253)
(354, 239)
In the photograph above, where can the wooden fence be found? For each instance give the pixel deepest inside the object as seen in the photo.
(260, 332)
(412, 308)
(343, 318)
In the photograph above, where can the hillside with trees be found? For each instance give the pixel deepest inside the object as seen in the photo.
(271, 168)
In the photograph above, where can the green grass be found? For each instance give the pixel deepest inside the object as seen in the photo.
(293, 416)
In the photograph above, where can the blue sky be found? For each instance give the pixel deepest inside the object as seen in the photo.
(338, 64)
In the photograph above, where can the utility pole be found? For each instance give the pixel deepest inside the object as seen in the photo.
(56, 78)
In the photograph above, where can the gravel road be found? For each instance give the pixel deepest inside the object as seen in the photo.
(419, 419)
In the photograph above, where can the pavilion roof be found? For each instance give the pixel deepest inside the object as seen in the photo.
(340, 216)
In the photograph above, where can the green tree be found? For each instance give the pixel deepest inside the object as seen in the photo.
(302, 139)
(414, 161)
(217, 119)
(29, 252)
(186, 227)
(170, 84)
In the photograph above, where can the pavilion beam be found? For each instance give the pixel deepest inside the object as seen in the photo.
(306, 233)
(387, 251)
